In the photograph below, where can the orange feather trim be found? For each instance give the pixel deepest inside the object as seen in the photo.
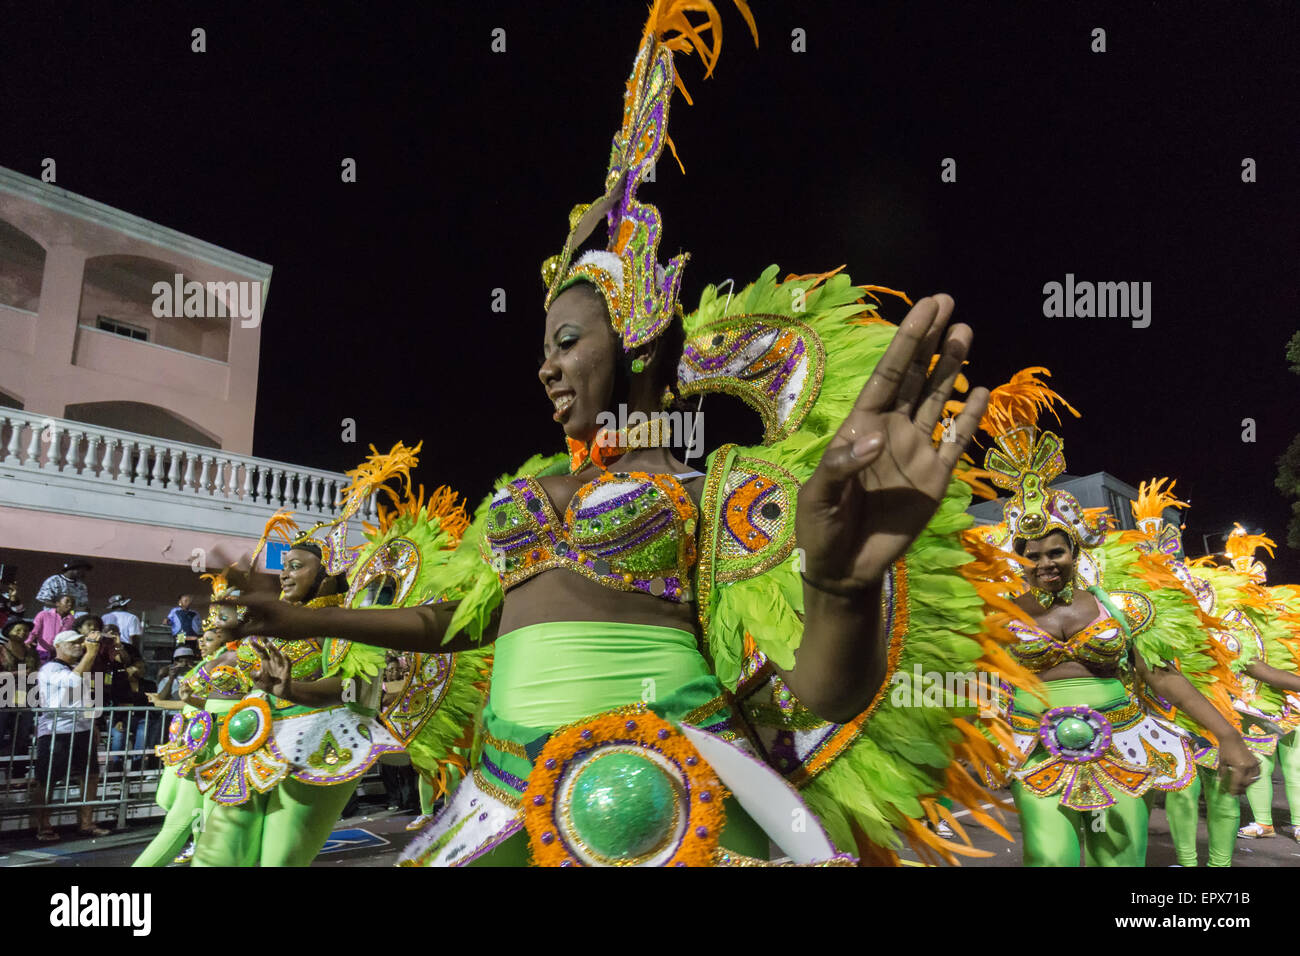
(545, 838)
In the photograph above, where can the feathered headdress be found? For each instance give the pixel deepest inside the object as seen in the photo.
(368, 478)
(1024, 461)
(641, 295)
(1153, 500)
(1240, 549)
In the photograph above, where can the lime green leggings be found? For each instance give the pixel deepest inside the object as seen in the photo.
(1260, 793)
(285, 827)
(1222, 817)
(181, 822)
(1054, 835)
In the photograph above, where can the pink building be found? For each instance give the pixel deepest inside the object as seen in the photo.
(128, 387)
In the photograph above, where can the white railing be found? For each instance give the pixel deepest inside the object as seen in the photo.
(117, 458)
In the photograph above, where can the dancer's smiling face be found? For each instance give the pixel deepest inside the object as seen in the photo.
(298, 576)
(1053, 561)
(580, 353)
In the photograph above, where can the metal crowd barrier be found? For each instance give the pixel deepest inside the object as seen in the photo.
(117, 775)
(120, 779)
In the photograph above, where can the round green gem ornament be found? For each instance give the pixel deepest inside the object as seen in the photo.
(623, 806)
(1074, 733)
(243, 726)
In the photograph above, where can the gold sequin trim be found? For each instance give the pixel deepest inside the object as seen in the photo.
(702, 713)
(492, 790)
(506, 746)
(707, 545)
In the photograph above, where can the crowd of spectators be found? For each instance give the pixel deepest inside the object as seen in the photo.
(62, 653)
(59, 655)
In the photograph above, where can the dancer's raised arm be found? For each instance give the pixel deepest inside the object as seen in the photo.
(878, 485)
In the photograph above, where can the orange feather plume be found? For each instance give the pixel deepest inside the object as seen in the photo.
(1154, 497)
(1243, 545)
(1019, 402)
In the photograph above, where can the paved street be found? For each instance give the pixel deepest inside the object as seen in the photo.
(376, 836)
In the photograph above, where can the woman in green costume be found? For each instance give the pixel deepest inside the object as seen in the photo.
(292, 751)
(673, 681)
(207, 692)
(1182, 807)
(1262, 627)
(1092, 626)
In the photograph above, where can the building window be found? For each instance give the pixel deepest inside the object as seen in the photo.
(118, 327)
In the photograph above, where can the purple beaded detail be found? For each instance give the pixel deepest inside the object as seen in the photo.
(701, 831)
(550, 763)
(548, 837)
(692, 761)
(706, 797)
(1101, 727)
(663, 734)
(630, 725)
(482, 817)
(538, 800)
(586, 735)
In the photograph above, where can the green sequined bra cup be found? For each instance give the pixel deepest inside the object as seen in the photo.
(629, 531)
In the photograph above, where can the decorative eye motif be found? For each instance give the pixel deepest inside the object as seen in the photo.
(386, 579)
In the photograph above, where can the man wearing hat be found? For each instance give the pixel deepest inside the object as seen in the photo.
(68, 581)
(128, 625)
(183, 658)
(65, 739)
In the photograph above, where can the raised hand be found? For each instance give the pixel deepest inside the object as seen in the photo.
(265, 615)
(882, 478)
(275, 676)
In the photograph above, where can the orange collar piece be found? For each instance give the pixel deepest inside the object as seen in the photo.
(606, 447)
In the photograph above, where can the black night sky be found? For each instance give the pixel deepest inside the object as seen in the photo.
(1122, 166)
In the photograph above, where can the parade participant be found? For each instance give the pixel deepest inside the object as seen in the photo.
(292, 751)
(206, 694)
(1269, 701)
(1157, 535)
(1099, 618)
(661, 615)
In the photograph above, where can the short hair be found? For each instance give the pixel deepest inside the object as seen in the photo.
(93, 619)
(9, 628)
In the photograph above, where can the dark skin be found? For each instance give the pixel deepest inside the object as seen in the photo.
(16, 651)
(876, 487)
(1051, 567)
(300, 581)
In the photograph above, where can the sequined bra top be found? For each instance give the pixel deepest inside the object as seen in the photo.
(210, 679)
(630, 531)
(1102, 643)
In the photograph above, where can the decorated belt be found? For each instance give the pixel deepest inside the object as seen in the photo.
(1096, 754)
(186, 736)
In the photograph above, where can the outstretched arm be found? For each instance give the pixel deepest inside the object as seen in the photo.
(878, 485)
(1272, 676)
(1243, 767)
(402, 629)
